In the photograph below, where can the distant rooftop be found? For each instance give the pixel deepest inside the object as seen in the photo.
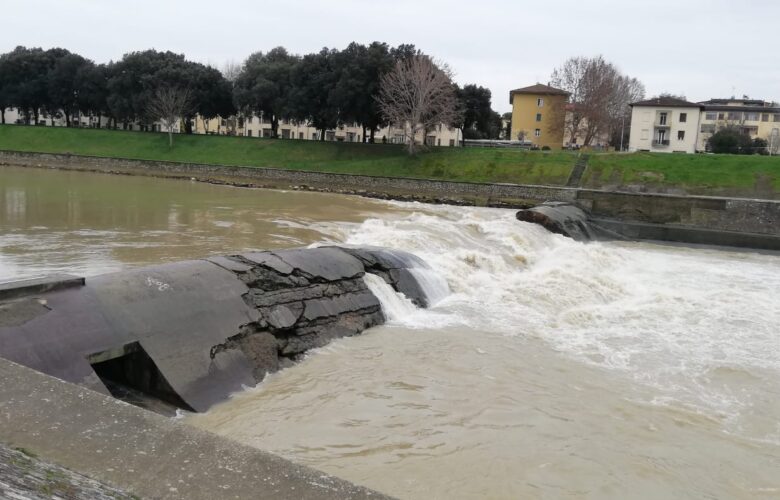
(743, 102)
(539, 89)
(667, 102)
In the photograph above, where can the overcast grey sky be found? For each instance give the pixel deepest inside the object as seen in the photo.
(699, 48)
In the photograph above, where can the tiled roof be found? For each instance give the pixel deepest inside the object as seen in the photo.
(537, 89)
(667, 102)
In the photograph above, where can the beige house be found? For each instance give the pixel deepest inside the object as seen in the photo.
(759, 119)
(257, 126)
(665, 125)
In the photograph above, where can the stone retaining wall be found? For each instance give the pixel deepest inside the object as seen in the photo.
(739, 215)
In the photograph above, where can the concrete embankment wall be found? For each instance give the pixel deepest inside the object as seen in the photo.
(697, 219)
(143, 453)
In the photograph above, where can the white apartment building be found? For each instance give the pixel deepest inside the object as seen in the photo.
(14, 117)
(254, 126)
(665, 125)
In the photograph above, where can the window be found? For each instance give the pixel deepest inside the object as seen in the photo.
(765, 117)
(452, 142)
(751, 117)
(681, 135)
(438, 142)
(721, 116)
(249, 133)
(300, 135)
(540, 102)
(538, 132)
(734, 116)
(538, 117)
(662, 119)
(708, 129)
(683, 117)
(711, 116)
(777, 118)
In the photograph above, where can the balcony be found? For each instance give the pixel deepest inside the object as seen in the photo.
(663, 143)
(662, 124)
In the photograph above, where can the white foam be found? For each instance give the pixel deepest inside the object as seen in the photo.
(664, 315)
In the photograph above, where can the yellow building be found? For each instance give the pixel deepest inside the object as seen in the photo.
(538, 114)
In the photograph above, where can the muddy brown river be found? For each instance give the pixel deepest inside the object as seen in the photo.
(550, 369)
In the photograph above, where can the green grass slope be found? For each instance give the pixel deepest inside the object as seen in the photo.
(472, 164)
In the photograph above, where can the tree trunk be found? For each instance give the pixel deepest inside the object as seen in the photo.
(188, 125)
(99, 121)
(67, 119)
(364, 134)
(2, 116)
(35, 115)
(275, 127)
(372, 136)
(322, 134)
(170, 137)
(411, 147)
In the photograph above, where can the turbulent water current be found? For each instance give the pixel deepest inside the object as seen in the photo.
(545, 368)
(552, 369)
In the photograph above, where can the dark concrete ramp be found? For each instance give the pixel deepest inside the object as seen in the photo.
(175, 312)
(191, 333)
(562, 218)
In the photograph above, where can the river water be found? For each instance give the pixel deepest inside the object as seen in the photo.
(551, 369)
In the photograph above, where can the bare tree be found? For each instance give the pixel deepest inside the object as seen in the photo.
(417, 95)
(599, 98)
(231, 70)
(169, 105)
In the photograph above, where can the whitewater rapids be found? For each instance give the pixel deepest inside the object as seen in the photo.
(546, 368)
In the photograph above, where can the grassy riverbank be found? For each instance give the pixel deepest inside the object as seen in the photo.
(470, 165)
(753, 176)
(701, 171)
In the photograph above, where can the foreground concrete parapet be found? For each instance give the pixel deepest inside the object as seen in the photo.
(191, 333)
(24, 475)
(142, 453)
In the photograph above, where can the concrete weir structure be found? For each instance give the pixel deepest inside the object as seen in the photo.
(188, 334)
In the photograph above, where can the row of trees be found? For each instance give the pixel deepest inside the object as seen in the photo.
(356, 85)
(61, 83)
(599, 99)
(324, 89)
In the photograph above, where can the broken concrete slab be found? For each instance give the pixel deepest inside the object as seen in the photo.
(191, 333)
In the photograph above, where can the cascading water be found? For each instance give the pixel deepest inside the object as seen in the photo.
(604, 370)
(433, 284)
(395, 305)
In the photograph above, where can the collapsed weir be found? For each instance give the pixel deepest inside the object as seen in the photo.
(568, 220)
(187, 335)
